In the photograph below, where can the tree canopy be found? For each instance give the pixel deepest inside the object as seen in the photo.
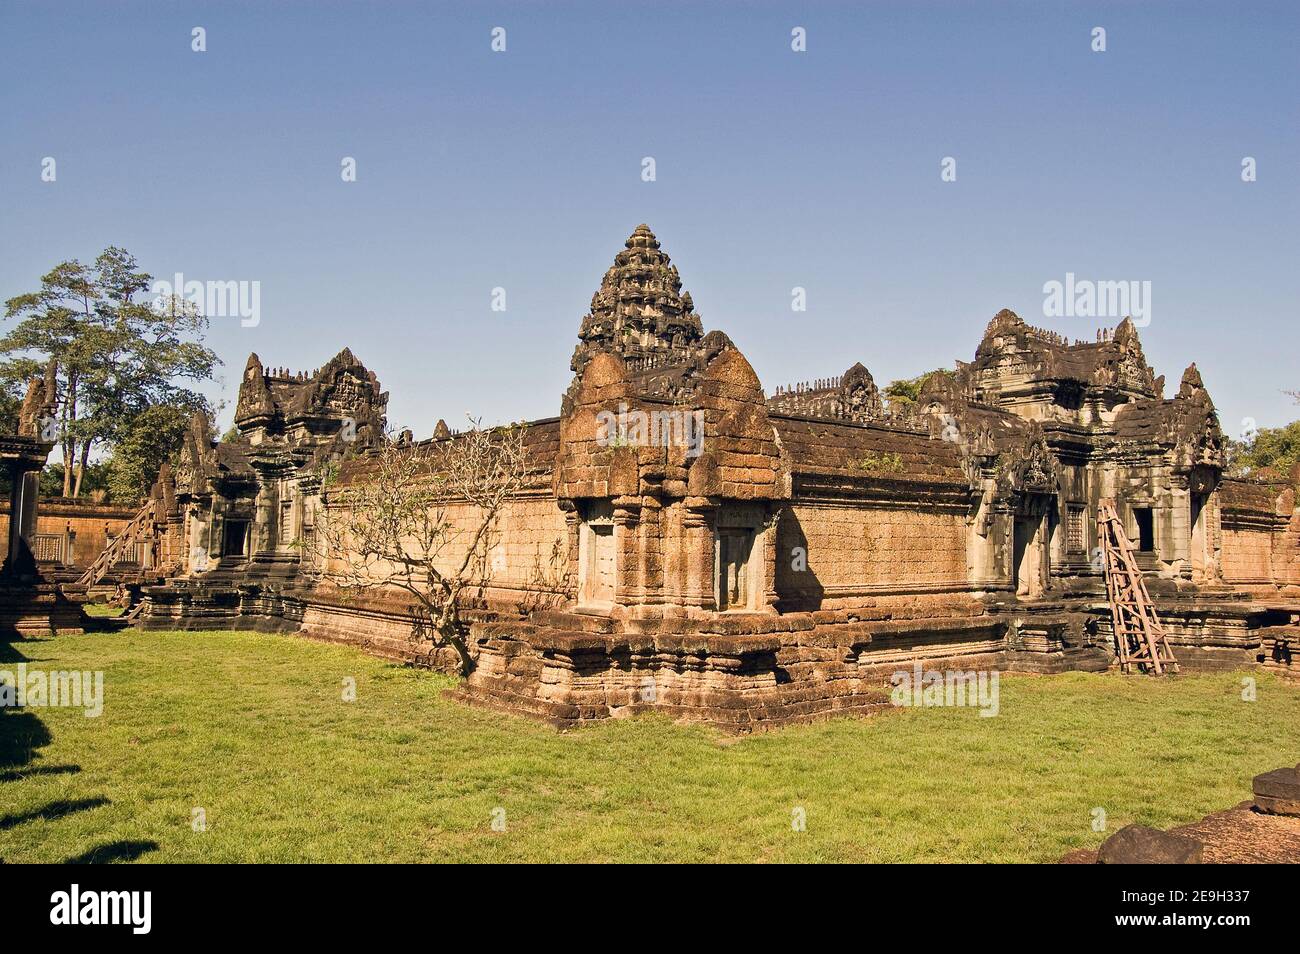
(1273, 448)
(905, 391)
(124, 362)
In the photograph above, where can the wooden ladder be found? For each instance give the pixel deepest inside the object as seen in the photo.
(1140, 639)
(138, 529)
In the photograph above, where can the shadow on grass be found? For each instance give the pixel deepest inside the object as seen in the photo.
(21, 732)
(113, 851)
(17, 775)
(52, 811)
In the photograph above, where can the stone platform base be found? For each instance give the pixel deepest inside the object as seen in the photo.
(1223, 632)
(736, 671)
(37, 609)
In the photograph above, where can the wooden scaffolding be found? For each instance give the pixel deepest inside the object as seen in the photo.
(1140, 639)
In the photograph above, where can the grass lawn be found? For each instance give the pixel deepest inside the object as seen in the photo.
(254, 730)
(102, 609)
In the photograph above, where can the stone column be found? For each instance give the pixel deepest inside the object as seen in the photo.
(23, 492)
(627, 550)
(1174, 537)
(652, 555)
(766, 546)
(572, 531)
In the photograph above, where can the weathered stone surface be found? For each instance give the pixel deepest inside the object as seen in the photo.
(1140, 845)
(757, 559)
(1234, 836)
(1278, 792)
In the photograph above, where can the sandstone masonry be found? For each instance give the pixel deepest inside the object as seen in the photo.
(780, 569)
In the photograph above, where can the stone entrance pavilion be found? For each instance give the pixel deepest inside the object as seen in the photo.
(810, 542)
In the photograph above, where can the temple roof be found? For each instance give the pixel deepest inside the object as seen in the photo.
(851, 396)
(640, 309)
(868, 451)
(1011, 346)
(343, 386)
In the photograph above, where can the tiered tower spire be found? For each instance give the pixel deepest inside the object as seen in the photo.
(640, 309)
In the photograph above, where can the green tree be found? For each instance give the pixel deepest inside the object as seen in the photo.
(150, 438)
(118, 353)
(94, 480)
(905, 391)
(10, 401)
(425, 522)
(1274, 448)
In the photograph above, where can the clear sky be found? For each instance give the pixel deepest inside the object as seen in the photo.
(774, 169)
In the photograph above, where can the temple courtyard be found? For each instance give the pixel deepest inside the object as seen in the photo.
(257, 748)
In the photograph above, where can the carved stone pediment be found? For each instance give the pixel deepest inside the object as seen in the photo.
(1037, 472)
(1033, 470)
(184, 477)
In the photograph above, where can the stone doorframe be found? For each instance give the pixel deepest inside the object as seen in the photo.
(1033, 521)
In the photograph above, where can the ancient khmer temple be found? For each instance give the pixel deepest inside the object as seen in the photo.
(30, 602)
(780, 561)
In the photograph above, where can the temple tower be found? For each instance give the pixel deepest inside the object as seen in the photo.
(640, 310)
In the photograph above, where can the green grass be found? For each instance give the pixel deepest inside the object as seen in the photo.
(106, 610)
(254, 730)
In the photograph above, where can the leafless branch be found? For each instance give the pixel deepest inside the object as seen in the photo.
(421, 519)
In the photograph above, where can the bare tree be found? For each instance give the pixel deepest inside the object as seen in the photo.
(422, 519)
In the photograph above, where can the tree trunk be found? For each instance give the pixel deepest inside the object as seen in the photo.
(68, 455)
(457, 642)
(81, 468)
(69, 443)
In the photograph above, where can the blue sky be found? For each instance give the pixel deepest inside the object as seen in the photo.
(774, 169)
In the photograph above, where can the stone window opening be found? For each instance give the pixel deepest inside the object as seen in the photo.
(1076, 533)
(1144, 524)
(286, 523)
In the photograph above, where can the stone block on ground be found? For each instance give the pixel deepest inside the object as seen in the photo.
(1278, 792)
(1140, 845)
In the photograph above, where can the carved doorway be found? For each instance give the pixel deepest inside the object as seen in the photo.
(1028, 555)
(597, 564)
(735, 585)
(234, 538)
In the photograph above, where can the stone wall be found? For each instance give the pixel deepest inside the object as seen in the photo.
(89, 524)
(1260, 534)
(1286, 557)
(855, 553)
(530, 555)
(1247, 556)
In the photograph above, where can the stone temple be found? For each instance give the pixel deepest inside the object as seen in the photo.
(809, 545)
